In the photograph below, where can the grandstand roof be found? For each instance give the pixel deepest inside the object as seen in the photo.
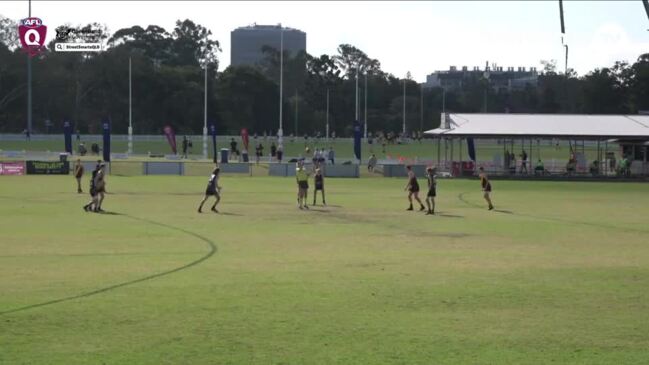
(576, 126)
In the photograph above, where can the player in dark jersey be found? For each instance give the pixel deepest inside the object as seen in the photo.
(486, 187)
(432, 190)
(213, 189)
(318, 180)
(413, 188)
(93, 190)
(100, 187)
(78, 174)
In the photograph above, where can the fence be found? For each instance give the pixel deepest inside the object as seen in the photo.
(288, 169)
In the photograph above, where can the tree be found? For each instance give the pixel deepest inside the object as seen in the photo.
(350, 58)
(8, 33)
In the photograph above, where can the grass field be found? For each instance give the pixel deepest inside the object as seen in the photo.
(427, 149)
(559, 274)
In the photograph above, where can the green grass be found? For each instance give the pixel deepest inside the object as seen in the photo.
(558, 275)
(427, 149)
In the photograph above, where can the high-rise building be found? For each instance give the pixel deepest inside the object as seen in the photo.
(498, 77)
(247, 43)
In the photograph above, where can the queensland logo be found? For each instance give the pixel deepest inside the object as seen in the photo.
(32, 34)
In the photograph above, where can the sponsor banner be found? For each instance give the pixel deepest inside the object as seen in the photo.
(12, 168)
(32, 33)
(171, 138)
(244, 138)
(47, 167)
(357, 139)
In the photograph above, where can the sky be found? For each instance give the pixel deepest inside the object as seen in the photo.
(419, 37)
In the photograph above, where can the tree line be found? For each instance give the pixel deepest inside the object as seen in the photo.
(168, 70)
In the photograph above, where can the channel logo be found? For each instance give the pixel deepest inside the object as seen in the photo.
(32, 34)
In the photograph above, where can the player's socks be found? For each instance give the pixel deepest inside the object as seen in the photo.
(410, 208)
(214, 210)
(422, 208)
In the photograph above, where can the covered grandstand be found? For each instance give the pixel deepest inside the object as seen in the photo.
(598, 145)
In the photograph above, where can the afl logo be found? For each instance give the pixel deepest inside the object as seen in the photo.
(32, 34)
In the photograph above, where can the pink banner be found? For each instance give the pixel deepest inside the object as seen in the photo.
(12, 168)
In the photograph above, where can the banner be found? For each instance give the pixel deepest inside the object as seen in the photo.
(105, 126)
(244, 138)
(171, 138)
(471, 146)
(12, 168)
(357, 139)
(47, 167)
(213, 134)
(67, 136)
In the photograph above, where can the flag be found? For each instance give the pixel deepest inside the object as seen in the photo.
(244, 138)
(171, 138)
(105, 125)
(357, 139)
(471, 146)
(67, 136)
(213, 134)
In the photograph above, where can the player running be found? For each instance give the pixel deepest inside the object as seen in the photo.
(413, 188)
(213, 189)
(486, 187)
(432, 190)
(302, 178)
(93, 190)
(318, 179)
(100, 187)
(78, 174)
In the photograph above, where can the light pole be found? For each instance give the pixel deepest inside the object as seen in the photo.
(280, 132)
(403, 132)
(296, 114)
(444, 100)
(327, 123)
(29, 85)
(357, 114)
(130, 108)
(205, 116)
(365, 121)
(486, 89)
(421, 109)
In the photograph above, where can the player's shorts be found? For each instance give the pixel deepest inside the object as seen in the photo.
(414, 189)
(93, 192)
(211, 192)
(432, 192)
(487, 188)
(100, 190)
(319, 187)
(303, 184)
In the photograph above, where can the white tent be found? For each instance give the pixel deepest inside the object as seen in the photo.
(569, 126)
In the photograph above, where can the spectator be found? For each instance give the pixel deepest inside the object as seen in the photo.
(594, 168)
(371, 163)
(82, 149)
(273, 150)
(94, 148)
(233, 147)
(540, 168)
(280, 153)
(524, 162)
(331, 155)
(185, 145)
(512, 163)
(259, 152)
(572, 164)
